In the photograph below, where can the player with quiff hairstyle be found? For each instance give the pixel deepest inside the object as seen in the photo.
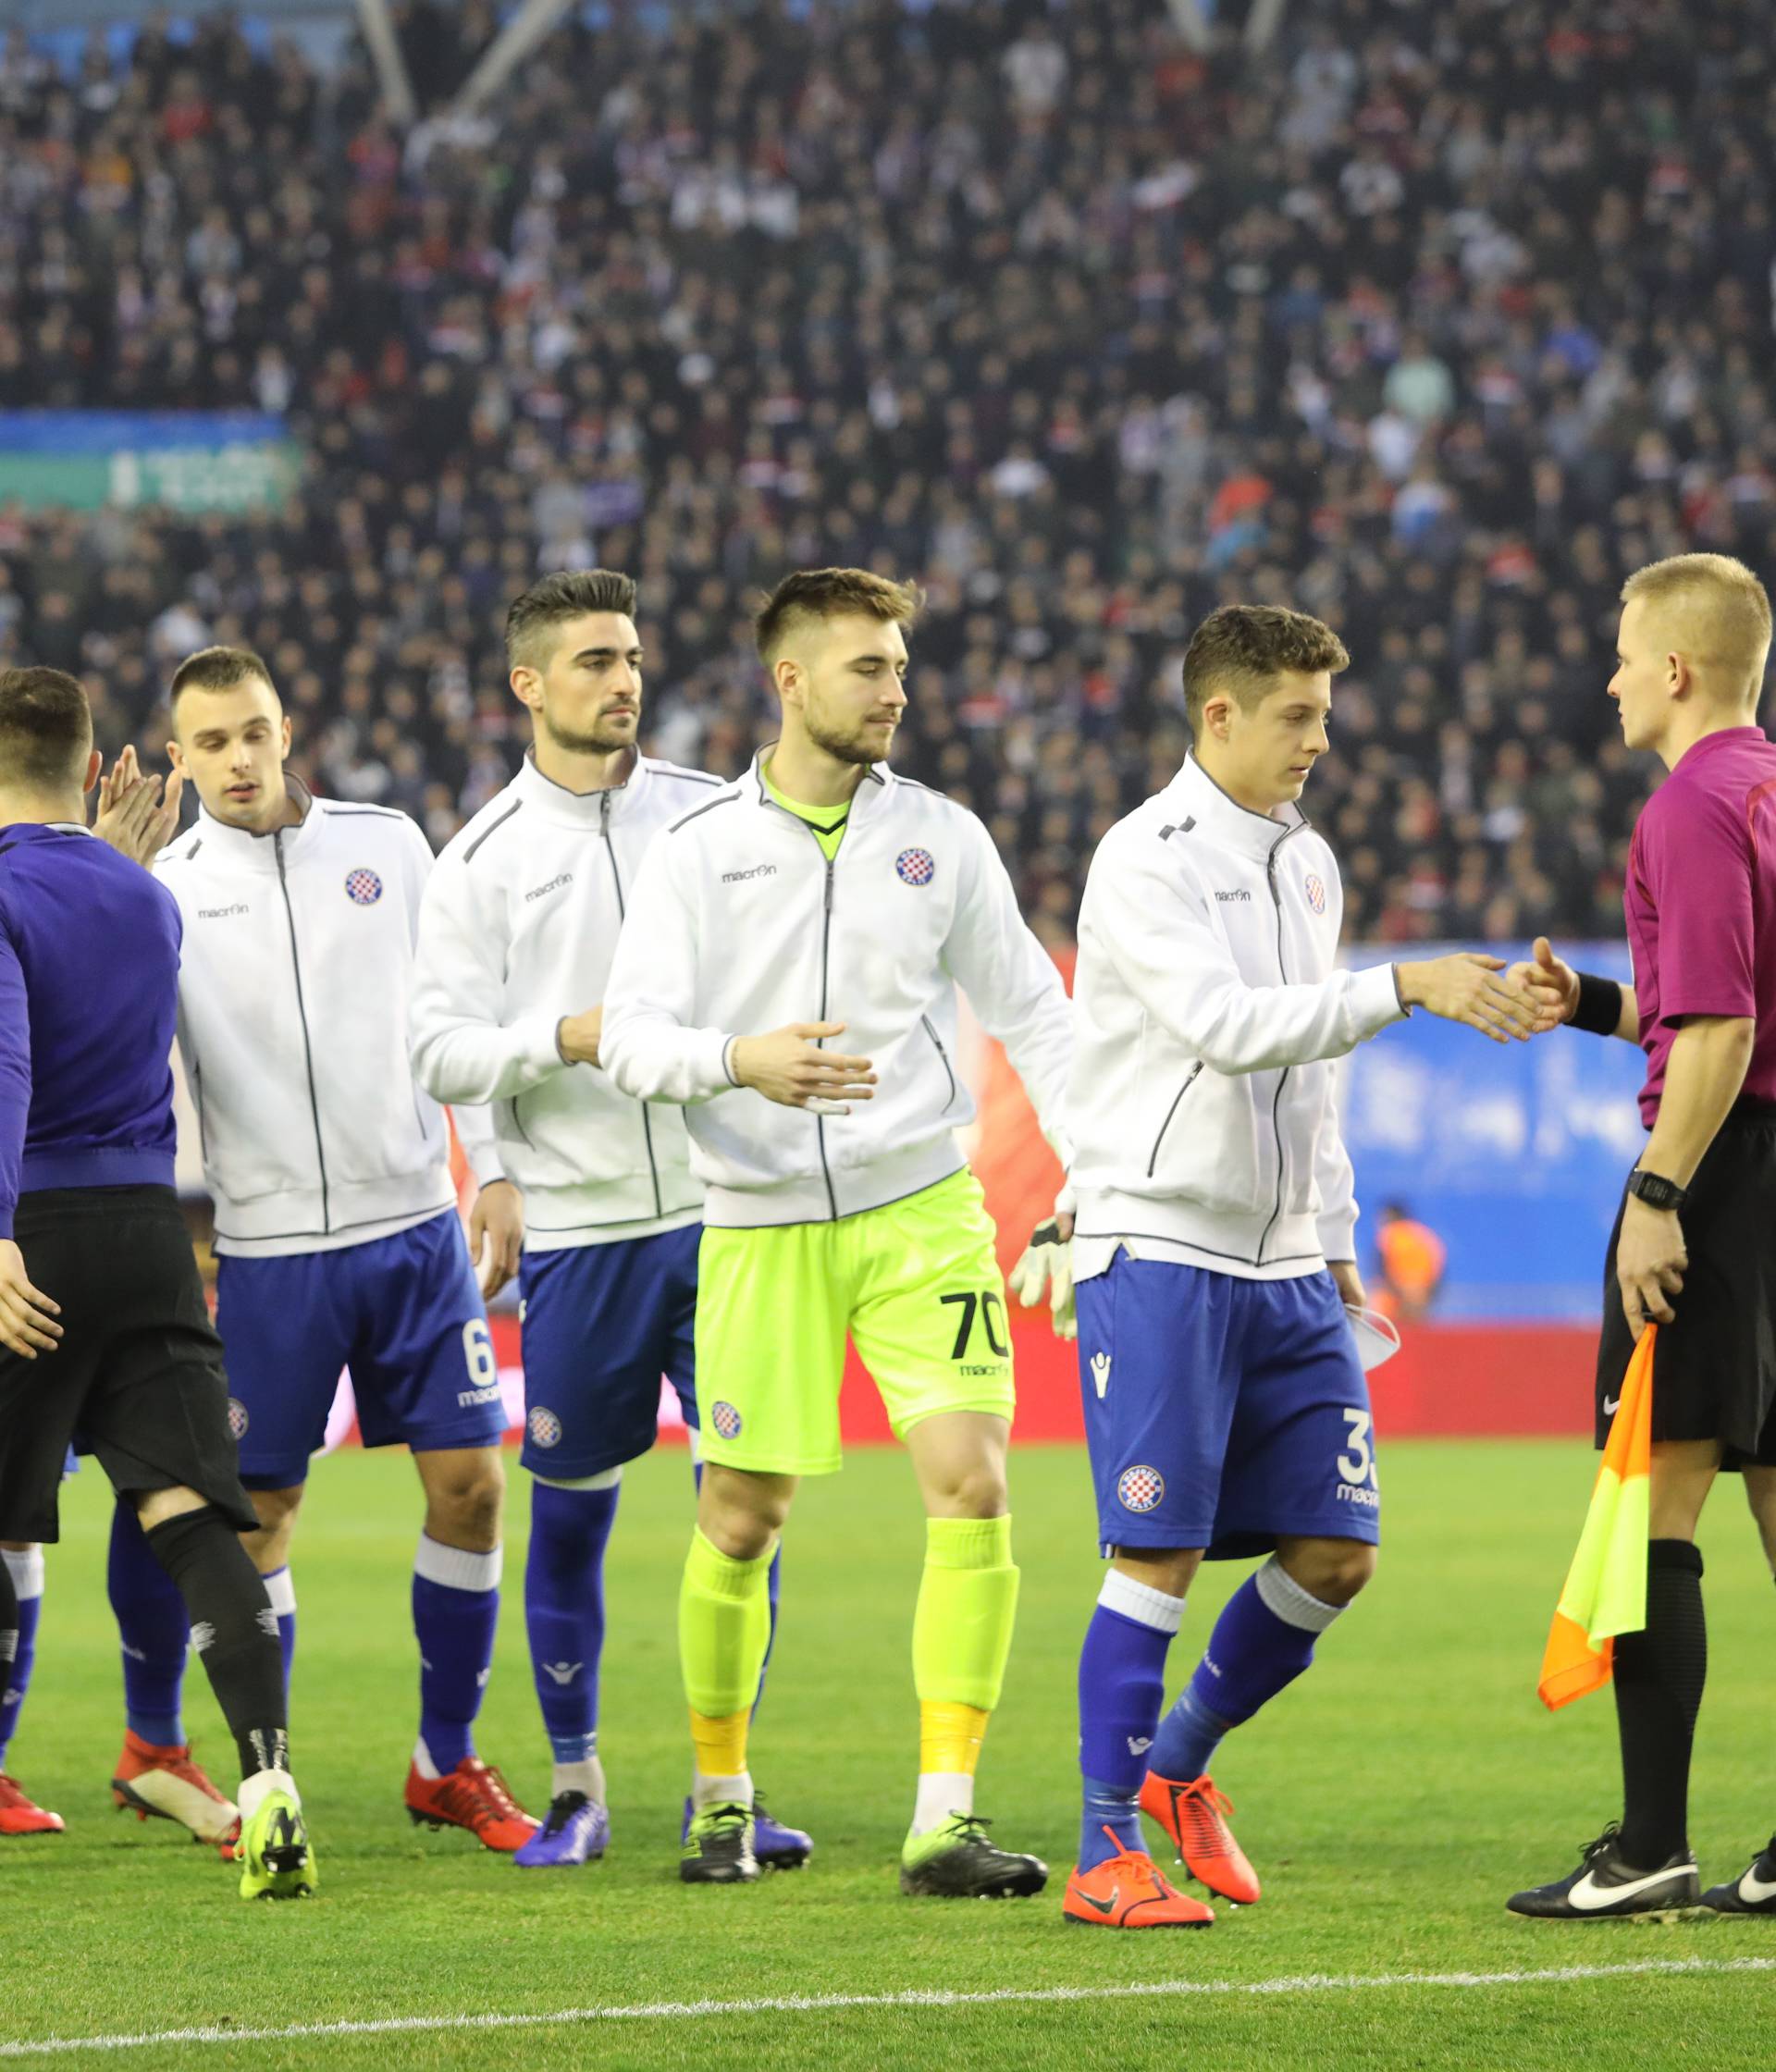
(819, 898)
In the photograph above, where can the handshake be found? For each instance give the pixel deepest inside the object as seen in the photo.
(1506, 1005)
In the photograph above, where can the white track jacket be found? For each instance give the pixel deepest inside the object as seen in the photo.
(738, 924)
(517, 930)
(293, 987)
(1203, 1107)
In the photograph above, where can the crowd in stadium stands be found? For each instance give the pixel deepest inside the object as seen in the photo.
(1086, 332)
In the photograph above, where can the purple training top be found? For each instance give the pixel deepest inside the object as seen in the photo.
(1701, 903)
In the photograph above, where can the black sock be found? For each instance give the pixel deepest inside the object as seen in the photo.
(234, 1630)
(1658, 1678)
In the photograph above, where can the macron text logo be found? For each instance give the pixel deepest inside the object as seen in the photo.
(223, 913)
(554, 885)
(758, 870)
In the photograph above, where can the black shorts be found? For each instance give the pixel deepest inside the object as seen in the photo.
(137, 1379)
(1714, 1369)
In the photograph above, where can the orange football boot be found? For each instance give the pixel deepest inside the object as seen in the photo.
(164, 1783)
(473, 1795)
(1127, 1891)
(1195, 1817)
(20, 1816)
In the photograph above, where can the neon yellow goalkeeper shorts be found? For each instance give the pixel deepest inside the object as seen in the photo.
(916, 1286)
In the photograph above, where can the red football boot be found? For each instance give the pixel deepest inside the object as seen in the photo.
(1195, 1817)
(1127, 1891)
(18, 1816)
(164, 1783)
(473, 1795)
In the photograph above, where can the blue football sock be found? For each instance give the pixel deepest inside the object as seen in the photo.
(27, 1572)
(280, 1587)
(1122, 1687)
(564, 1610)
(153, 1630)
(456, 1609)
(1261, 1641)
(773, 1579)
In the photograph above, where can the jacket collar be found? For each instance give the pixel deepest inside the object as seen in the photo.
(260, 852)
(1193, 793)
(878, 782)
(592, 810)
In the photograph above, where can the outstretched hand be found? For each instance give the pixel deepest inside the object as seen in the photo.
(1467, 987)
(1550, 977)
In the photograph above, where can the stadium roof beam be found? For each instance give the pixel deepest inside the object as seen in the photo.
(1195, 23)
(508, 50)
(1263, 22)
(384, 55)
(1191, 23)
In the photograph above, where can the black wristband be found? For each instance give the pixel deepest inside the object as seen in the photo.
(1599, 1007)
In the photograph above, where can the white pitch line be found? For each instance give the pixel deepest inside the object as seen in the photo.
(807, 2004)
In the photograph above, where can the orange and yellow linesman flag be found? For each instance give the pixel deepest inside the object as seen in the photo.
(1605, 1593)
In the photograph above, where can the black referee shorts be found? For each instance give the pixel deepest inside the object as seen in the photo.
(1714, 1369)
(137, 1379)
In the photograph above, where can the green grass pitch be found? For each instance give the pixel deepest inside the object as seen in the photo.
(1390, 1800)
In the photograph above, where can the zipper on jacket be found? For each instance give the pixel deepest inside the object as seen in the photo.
(936, 1039)
(1282, 1077)
(646, 1125)
(826, 937)
(301, 1016)
(197, 1097)
(512, 1116)
(1189, 1081)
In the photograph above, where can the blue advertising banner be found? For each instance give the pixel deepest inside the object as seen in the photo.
(1515, 1157)
(79, 459)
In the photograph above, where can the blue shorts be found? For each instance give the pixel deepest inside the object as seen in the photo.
(603, 1324)
(1223, 1413)
(403, 1313)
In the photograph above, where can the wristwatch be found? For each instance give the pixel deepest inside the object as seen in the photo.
(1657, 1191)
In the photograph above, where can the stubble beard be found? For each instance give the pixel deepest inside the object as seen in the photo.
(600, 741)
(846, 749)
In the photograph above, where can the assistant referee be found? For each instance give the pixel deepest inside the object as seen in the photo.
(1694, 1250)
(106, 1341)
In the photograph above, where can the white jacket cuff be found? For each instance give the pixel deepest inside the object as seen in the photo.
(484, 1162)
(542, 1053)
(1337, 1233)
(1374, 1000)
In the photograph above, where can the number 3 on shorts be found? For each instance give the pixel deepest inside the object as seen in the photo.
(1357, 1462)
(987, 1301)
(478, 1351)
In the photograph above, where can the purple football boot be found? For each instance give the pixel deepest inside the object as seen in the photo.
(776, 1846)
(575, 1830)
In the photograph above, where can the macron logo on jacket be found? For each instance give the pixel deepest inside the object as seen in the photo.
(915, 903)
(293, 1025)
(1210, 1007)
(517, 931)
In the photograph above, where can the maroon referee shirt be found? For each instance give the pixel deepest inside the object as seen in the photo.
(1701, 903)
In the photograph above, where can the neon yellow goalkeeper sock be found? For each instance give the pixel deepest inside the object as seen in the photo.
(724, 1629)
(968, 1605)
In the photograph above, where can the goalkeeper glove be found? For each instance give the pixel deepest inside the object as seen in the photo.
(1047, 1265)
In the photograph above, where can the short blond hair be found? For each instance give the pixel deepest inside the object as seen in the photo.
(832, 593)
(1719, 613)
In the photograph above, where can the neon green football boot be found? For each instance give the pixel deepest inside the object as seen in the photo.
(277, 1857)
(957, 1861)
